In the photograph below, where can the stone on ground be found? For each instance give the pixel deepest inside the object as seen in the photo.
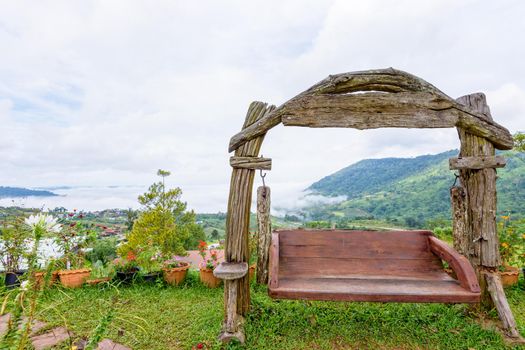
(49, 339)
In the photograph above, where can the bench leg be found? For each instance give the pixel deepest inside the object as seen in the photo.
(233, 325)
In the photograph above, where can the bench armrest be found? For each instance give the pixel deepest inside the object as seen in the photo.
(464, 271)
(231, 270)
(273, 266)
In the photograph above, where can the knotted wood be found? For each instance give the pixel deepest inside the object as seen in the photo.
(374, 99)
(238, 221)
(264, 231)
(477, 163)
(480, 192)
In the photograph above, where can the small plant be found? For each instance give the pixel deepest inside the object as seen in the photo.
(175, 262)
(15, 242)
(512, 241)
(149, 259)
(127, 264)
(72, 239)
(207, 263)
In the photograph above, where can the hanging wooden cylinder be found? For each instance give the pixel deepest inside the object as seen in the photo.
(264, 228)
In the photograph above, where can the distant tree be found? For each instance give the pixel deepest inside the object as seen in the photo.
(131, 216)
(163, 221)
(215, 234)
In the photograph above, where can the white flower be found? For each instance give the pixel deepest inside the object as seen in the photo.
(43, 222)
(24, 285)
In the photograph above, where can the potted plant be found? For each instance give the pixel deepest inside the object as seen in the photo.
(207, 265)
(511, 249)
(149, 262)
(13, 248)
(126, 268)
(74, 236)
(175, 270)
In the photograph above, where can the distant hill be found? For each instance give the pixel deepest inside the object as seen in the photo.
(12, 192)
(409, 190)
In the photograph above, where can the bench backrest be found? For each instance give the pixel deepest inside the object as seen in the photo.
(338, 253)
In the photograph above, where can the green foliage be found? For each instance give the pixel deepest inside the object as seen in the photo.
(104, 250)
(163, 222)
(409, 191)
(512, 241)
(14, 238)
(519, 142)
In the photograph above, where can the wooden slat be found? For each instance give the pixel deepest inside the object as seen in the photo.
(333, 267)
(461, 266)
(375, 290)
(479, 162)
(356, 250)
(355, 244)
(273, 266)
(257, 163)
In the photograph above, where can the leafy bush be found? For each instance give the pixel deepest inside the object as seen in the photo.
(104, 250)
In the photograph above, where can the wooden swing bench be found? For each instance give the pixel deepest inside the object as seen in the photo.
(386, 266)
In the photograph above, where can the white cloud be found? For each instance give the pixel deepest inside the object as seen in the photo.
(100, 93)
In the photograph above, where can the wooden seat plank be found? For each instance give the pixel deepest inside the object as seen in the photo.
(374, 290)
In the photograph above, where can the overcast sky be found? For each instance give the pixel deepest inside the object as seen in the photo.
(106, 92)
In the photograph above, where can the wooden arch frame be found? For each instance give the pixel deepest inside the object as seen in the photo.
(367, 100)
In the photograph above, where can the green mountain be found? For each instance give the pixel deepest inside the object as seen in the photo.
(409, 190)
(13, 192)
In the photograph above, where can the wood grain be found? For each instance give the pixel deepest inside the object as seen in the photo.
(480, 162)
(500, 300)
(257, 163)
(367, 266)
(461, 266)
(230, 270)
(264, 225)
(239, 204)
(377, 98)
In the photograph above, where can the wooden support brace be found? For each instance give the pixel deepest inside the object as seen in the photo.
(258, 163)
(502, 306)
(479, 162)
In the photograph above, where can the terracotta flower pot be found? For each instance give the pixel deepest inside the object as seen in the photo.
(74, 278)
(510, 276)
(208, 279)
(175, 275)
(39, 278)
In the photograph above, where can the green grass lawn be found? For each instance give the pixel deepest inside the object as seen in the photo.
(160, 317)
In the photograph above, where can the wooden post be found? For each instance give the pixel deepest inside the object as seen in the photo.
(238, 220)
(265, 231)
(474, 212)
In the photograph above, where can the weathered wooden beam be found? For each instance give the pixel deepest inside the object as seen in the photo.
(258, 163)
(231, 270)
(439, 109)
(479, 162)
(264, 225)
(370, 111)
(502, 306)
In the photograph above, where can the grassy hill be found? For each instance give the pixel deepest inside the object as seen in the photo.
(409, 190)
